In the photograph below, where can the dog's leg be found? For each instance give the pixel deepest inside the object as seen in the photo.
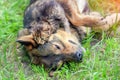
(73, 14)
(84, 20)
(79, 19)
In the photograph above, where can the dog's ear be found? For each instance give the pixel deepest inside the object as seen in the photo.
(26, 40)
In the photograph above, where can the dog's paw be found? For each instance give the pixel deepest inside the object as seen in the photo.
(109, 20)
(113, 18)
(92, 20)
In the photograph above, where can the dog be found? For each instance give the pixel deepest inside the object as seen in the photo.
(28, 38)
(58, 49)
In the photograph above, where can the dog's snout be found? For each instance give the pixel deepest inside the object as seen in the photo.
(79, 55)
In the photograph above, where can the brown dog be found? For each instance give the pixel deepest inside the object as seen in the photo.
(61, 46)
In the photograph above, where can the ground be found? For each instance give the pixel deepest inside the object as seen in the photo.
(101, 61)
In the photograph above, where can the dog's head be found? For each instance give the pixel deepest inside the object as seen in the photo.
(61, 47)
(65, 44)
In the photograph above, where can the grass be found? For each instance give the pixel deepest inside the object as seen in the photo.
(101, 61)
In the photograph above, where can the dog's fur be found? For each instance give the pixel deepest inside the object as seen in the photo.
(59, 48)
(44, 17)
(74, 12)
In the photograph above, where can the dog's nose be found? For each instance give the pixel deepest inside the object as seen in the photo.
(79, 55)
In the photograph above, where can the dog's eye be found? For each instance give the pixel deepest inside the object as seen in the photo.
(72, 42)
(58, 47)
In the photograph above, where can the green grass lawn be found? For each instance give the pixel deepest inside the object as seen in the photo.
(101, 61)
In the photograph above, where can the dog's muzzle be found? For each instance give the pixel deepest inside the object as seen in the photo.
(78, 55)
